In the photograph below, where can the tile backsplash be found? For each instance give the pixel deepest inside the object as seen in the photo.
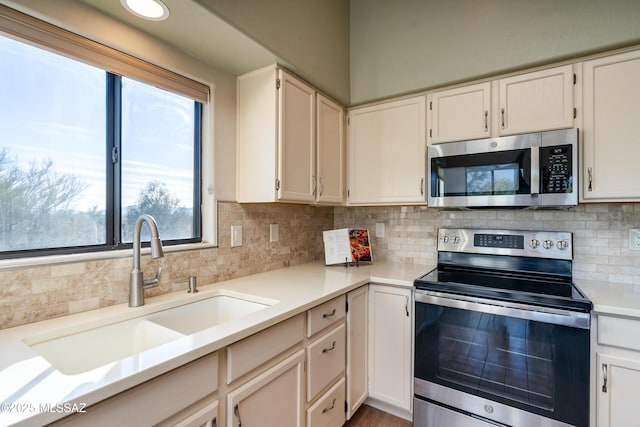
(38, 293)
(601, 233)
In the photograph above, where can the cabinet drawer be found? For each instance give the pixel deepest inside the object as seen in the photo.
(328, 411)
(325, 360)
(325, 314)
(257, 349)
(619, 332)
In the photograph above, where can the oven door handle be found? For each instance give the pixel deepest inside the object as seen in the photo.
(504, 308)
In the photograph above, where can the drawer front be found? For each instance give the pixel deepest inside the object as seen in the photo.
(619, 332)
(325, 360)
(328, 411)
(325, 315)
(259, 348)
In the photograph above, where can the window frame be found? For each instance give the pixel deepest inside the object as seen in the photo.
(26, 29)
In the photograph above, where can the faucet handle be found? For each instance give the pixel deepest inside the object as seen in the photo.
(152, 283)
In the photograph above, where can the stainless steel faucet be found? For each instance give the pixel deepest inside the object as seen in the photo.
(137, 283)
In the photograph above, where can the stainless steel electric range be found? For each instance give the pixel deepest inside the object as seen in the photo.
(501, 332)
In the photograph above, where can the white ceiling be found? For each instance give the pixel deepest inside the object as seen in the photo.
(197, 31)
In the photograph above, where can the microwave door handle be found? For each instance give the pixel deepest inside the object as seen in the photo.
(535, 171)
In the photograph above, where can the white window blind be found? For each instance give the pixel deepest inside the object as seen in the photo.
(43, 34)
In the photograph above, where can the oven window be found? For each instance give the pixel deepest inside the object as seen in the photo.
(538, 367)
(485, 174)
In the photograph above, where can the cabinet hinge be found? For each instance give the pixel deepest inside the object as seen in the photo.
(346, 306)
(348, 121)
(346, 406)
(575, 113)
(277, 184)
(575, 78)
(277, 83)
(115, 155)
(430, 133)
(430, 105)
(348, 193)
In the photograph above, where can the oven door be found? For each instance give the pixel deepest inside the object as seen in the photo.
(488, 172)
(471, 353)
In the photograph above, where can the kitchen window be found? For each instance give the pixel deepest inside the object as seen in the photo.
(84, 152)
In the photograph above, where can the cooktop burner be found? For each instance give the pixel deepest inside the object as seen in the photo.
(528, 267)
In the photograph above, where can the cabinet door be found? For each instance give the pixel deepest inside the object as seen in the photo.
(611, 95)
(357, 368)
(537, 101)
(617, 386)
(296, 136)
(330, 151)
(272, 399)
(387, 153)
(390, 352)
(460, 113)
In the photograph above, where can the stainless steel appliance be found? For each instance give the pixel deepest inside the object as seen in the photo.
(501, 332)
(530, 170)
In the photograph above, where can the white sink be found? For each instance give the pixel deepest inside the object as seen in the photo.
(206, 313)
(73, 352)
(80, 352)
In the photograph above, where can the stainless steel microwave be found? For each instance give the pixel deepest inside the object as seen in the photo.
(530, 170)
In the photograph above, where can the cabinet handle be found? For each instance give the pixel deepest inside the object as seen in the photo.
(422, 186)
(333, 312)
(333, 405)
(327, 350)
(321, 185)
(502, 117)
(214, 422)
(406, 305)
(313, 185)
(486, 120)
(236, 411)
(590, 172)
(604, 377)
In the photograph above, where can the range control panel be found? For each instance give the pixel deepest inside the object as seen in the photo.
(539, 244)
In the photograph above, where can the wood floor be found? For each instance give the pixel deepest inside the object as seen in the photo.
(367, 416)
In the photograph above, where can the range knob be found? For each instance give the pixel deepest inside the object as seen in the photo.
(445, 239)
(455, 239)
(547, 244)
(562, 244)
(534, 243)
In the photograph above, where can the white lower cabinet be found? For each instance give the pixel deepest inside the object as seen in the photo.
(272, 399)
(390, 348)
(357, 361)
(617, 388)
(328, 411)
(200, 416)
(617, 371)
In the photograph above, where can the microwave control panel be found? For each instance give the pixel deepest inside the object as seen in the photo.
(556, 169)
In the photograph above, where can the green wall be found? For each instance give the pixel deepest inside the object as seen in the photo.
(409, 45)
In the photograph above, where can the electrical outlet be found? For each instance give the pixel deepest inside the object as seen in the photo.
(634, 239)
(379, 229)
(274, 233)
(236, 235)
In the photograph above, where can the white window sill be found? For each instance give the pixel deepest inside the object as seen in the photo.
(10, 264)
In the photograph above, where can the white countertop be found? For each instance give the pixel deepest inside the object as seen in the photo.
(28, 381)
(617, 299)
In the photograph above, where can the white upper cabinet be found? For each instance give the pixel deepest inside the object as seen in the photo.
(541, 100)
(611, 96)
(296, 140)
(330, 139)
(530, 102)
(387, 148)
(276, 141)
(460, 113)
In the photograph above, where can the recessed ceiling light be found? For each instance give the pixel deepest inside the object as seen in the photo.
(153, 10)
